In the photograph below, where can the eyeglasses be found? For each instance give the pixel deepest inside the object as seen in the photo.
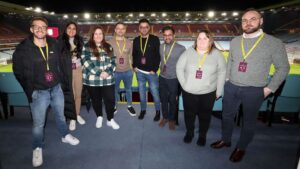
(250, 20)
(167, 35)
(144, 27)
(36, 27)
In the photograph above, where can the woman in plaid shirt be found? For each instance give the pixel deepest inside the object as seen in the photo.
(98, 75)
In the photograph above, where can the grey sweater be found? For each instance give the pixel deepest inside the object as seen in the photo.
(213, 77)
(170, 72)
(269, 51)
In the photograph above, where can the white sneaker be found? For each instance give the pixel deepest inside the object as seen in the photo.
(72, 125)
(37, 157)
(80, 120)
(70, 139)
(113, 124)
(99, 122)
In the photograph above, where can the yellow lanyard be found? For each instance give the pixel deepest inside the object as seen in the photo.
(245, 55)
(46, 58)
(124, 46)
(143, 50)
(200, 62)
(166, 58)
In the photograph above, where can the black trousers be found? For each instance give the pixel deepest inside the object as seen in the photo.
(200, 105)
(168, 89)
(251, 98)
(107, 93)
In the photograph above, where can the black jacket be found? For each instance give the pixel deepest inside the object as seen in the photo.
(66, 82)
(24, 61)
(152, 54)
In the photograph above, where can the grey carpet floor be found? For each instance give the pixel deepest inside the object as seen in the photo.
(142, 144)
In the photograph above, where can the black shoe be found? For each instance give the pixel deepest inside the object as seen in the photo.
(188, 138)
(157, 116)
(201, 141)
(176, 122)
(115, 110)
(142, 114)
(131, 111)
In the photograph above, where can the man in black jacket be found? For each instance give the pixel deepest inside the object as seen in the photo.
(146, 60)
(36, 67)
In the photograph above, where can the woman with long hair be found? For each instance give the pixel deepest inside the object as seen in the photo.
(71, 48)
(98, 76)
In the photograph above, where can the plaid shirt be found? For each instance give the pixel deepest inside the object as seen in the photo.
(93, 67)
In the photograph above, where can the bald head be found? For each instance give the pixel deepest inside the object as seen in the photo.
(251, 21)
(252, 10)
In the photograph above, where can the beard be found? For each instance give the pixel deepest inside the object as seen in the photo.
(168, 41)
(251, 30)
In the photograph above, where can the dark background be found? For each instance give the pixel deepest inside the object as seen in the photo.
(73, 6)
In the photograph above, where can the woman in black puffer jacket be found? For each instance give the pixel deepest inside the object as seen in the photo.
(71, 47)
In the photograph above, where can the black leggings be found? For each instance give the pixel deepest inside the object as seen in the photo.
(107, 93)
(200, 105)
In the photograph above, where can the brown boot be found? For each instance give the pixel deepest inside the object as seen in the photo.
(163, 122)
(172, 125)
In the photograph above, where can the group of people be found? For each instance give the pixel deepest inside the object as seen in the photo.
(53, 72)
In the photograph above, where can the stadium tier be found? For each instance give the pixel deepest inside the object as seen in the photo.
(10, 34)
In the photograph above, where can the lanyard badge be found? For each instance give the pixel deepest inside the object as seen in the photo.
(143, 58)
(48, 76)
(164, 69)
(121, 51)
(167, 56)
(121, 60)
(73, 66)
(199, 72)
(243, 65)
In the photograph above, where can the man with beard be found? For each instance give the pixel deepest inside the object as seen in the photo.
(123, 51)
(251, 56)
(36, 67)
(170, 51)
(145, 62)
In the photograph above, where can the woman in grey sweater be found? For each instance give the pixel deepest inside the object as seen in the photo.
(201, 72)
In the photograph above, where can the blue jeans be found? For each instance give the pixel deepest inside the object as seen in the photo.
(41, 99)
(153, 85)
(127, 79)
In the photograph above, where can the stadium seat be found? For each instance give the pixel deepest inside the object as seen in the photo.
(15, 94)
(218, 106)
(287, 98)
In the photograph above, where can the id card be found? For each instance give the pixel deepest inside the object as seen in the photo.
(243, 67)
(121, 61)
(49, 76)
(199, 74)
(164, 69)
(143, 60)
(73, 66)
